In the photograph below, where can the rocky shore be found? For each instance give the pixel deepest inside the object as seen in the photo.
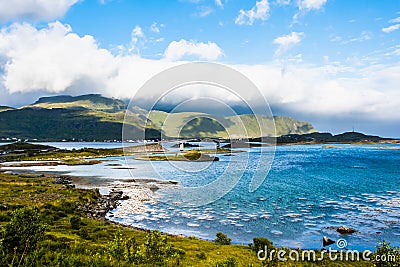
(125, 197)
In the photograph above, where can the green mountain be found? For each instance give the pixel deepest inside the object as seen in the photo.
(194, 125)
(91, 101)
(94, 117)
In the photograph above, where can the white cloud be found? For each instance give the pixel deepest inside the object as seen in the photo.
(370, 93)
(178, 50)
(364, 36)
(310, 4)
(305, 6)
(391, 28)
(136, 35)
(219, 3)
(396, 20)
(34, 10)
(259, 11)
(154, 27)
(283, 2)
(204, 11)
(56, 60)
(286, 42)
(137, 31)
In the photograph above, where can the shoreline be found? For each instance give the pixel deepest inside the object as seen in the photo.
(104, 208)
(139, 192)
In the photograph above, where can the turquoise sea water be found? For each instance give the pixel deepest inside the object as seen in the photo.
(308, 189)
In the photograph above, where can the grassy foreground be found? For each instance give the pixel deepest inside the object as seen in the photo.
(42, 224)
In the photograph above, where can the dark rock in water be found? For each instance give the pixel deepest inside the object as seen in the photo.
(104, 204)
(326, 241)
(63, 180)
(344, 230)
(153, 187)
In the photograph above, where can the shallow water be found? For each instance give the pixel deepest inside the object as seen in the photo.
(308, 189)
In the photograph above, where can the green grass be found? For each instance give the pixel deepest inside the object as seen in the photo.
(69, 157)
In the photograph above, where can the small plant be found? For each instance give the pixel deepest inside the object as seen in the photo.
(223, 239)
(22, 234)
(386, 255)
(155, 251)
(116, 246)
(75, 222)
(83, 232)
(201, 255)
(229, 262)
(260, 243)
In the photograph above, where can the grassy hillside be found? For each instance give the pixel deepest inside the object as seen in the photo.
(69, 124)
(93, 117)
(191, 125)
(92, 101)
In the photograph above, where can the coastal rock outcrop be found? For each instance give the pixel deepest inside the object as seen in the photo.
(104, 204)
(344, 230)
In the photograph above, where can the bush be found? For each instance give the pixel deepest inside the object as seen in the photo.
(116, 246)
(259, 243)
(223, 239)
(23, 232)
(75, 222)
(201, 256)
(83, 232)
(391, 255)
(155, 251)
(229, 262)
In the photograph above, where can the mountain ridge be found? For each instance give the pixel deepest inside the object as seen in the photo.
(94, 117)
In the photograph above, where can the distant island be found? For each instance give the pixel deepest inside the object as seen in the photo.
(328, 138)
(96, 118)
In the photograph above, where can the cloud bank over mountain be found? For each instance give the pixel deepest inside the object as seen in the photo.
(40, 56)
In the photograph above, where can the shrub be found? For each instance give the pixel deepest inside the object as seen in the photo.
(391, 255)
(259, 243)
(23, 232)
(116, 246)
(83, 232)
(229, 262)
(155, 251)
(223, 239)
(75, 222)
(201, 256)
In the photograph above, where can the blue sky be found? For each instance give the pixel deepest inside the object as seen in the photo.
(333, 29)
(332, 62)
